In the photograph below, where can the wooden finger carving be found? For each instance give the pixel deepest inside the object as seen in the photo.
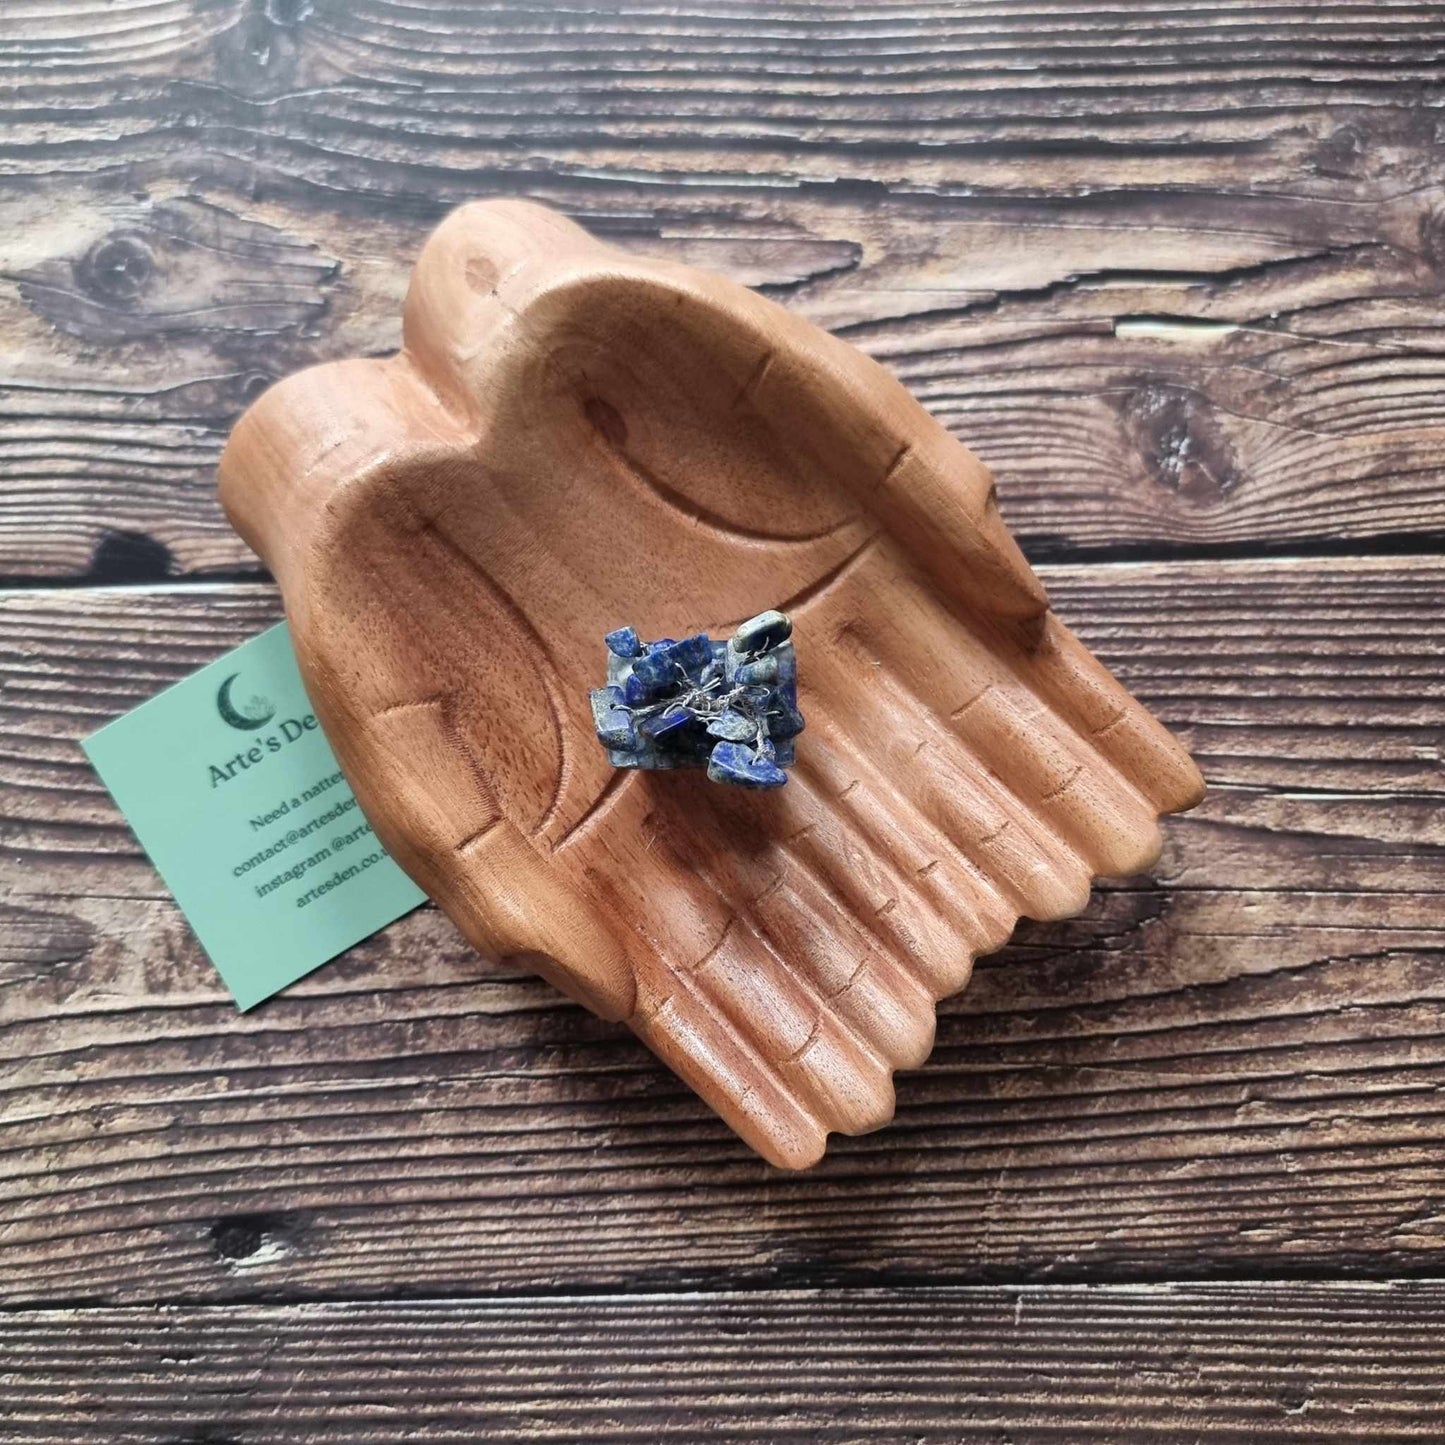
(572, 439)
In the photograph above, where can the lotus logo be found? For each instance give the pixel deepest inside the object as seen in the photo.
(254, 713)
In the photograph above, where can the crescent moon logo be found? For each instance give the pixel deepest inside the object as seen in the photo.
(257, 712)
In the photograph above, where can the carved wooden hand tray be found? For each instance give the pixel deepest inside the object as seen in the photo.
(573, 439)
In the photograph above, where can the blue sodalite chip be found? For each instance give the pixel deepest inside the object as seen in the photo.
(635, 692)
(761, 671)
(623, 642)
(614, 723)
(735, 726)
(667, 665)
(738, 764)
(730, 707)
(762, 633)
(669, 720)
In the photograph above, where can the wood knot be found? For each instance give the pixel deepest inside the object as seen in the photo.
(188, 268)
(287, 13)
(121, 557)
(116, 270)
(1340, 153)
(1184, 447)
(258, 53)
(242, 1239)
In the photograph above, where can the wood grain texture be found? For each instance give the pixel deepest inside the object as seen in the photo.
(1212, 1365)
(1232, 1066)
(1177, 281)
(1175, 274)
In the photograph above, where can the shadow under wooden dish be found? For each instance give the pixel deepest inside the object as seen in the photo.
(572, 440)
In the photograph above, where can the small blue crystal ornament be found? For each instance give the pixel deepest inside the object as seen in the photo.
(731, 707)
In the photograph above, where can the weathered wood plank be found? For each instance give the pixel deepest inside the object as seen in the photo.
(1234, 1065)
(1136, 377)
(1178, 281)
(1223, 1363)
(776, 88)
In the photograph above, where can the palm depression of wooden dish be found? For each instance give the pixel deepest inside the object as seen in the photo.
(572, 438)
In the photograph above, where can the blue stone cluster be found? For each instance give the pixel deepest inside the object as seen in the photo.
(731, 707)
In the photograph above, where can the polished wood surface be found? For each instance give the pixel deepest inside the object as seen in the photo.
(1174, 276)
(572, 440)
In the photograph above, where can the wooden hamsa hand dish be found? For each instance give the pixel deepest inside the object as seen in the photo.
(573, 439)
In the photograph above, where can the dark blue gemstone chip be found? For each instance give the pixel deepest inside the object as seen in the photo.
(623, 642)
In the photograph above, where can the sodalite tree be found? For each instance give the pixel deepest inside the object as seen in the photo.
(731, 707)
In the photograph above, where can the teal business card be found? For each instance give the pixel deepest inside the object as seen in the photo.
(230, 786)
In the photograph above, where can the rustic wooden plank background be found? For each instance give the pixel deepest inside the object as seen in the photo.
(934, 1365)
(1176, 272)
